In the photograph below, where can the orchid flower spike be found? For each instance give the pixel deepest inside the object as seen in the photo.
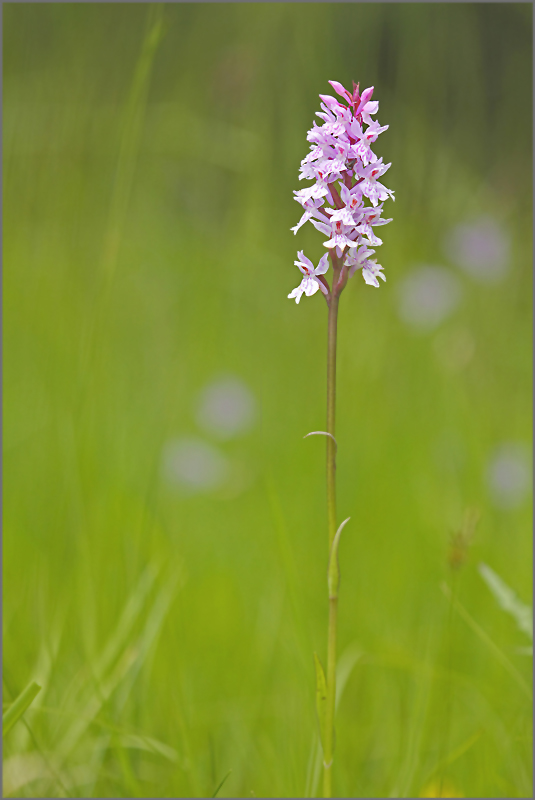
(345, 171)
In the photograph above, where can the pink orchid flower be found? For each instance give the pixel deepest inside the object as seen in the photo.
(310, 283)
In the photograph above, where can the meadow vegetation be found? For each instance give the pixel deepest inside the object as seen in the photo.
(150, 153)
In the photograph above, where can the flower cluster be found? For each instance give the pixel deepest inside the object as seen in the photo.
(345, 172)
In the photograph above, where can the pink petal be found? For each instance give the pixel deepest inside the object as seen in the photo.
(339, 89)
(365, 96)
(371, 108)
(329, 101)
(323, 266)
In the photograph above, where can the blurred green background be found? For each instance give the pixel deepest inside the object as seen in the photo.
(164, 520)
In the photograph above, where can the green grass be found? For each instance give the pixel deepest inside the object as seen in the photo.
(147, 207)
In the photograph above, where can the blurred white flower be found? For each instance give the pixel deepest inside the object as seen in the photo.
(481, 248)
(226, 408)
(193, 465)
(427, 296)
(509, 474)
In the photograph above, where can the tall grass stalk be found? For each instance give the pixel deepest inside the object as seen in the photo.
(134, 116)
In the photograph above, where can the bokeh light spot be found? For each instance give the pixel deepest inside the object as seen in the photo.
(193, 465)
(226, 408)
(427, 296)
(481, 249)
(509, 475)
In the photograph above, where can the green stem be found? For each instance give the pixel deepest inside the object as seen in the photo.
(331, 411)
(331, 695)
(331, 511)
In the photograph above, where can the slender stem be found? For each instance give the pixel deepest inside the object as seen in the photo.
(331, 412)
(331, 696)
(331, 511)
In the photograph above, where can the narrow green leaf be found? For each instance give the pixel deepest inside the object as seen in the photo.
(483, 635)
(333, 575)
(321, 696)
(19, 706)
(221, 784)
(344, 668)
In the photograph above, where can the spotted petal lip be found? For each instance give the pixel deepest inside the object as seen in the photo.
(340, 240)
(308, 286)
(343, 215)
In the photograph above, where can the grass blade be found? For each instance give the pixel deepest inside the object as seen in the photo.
(19, 706)
(508, 600)
(221, 784)
(501, 657)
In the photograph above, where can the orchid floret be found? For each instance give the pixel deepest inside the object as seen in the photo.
(310, 283)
